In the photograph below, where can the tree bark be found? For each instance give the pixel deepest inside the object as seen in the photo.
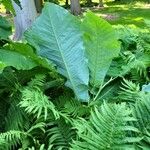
(38, 5)
(101, 3)
(67, 2)
(24, 17)
(89, 2)
(75, 7)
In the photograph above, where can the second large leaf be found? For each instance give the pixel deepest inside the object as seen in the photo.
(101, 46)
(56, 36)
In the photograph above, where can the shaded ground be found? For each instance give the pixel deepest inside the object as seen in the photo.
(137, 14)
(133, 14)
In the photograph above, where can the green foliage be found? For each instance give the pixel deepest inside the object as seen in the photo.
(134, 56)
(16, 118)
(141, 112)
(37, 110)
(39, 114)
(5, 32)
(35, 102)
(100, 52)
(65, 54)
(5, 29)
(68, 56)
(108, 126)
(129, 91)
(27, 51)
(16, 60)
(139, 103)
(9, 5)
(60, 134)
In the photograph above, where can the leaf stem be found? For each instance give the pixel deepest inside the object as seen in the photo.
(103, 86)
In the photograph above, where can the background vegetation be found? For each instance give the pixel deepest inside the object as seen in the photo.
(76, 82)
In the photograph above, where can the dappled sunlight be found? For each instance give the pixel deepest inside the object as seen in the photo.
(2, 9)
(126, 14)
(138, 19)
(74, 75)
(141, 5)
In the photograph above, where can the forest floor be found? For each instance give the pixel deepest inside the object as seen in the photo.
(136, 15)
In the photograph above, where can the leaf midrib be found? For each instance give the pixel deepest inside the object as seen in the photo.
(59, 47)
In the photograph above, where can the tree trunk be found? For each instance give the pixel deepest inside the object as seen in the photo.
(38, 4)
(75, 7)
(67, 2)
(101, 3)
(24, 17)
(89, 2)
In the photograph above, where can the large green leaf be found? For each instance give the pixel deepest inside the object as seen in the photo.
(101, 46)
(28, 51)
(56, 36)
(16, 60)
(5, 28)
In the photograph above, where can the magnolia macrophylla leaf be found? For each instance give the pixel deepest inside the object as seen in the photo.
(16, 60)
(56, 36)
(101, 46)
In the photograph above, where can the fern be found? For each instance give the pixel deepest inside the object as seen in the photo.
(145, 41)
(71, 107)
(38, 112)
(130, 91)
(38, 126)
(134, 56)
(12, 137)
(141, 111)
(107, 129)
(3, 144)
(35, 102)
(37, 83)
(17, 137)
(60, 134)
(8, 81)
(41, 147)
(16, 118)
(3, 111)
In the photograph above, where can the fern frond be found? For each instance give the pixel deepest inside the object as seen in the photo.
(16, 118)
(138, 62)
(4, 145)
(107, 129)
(39, 126)
(145, 41)
(37, 82)
(134, 56)
(71, 107)
(137, 78)
(3, 111)
(141, 110)
(36, 103)
(41, 147)
(60, 134)
(8, 80)
(13, 137)
(130, 91)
